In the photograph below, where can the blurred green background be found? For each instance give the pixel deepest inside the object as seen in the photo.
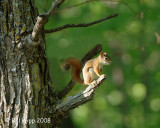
(130, 96)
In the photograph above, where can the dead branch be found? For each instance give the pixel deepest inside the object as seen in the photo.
(80, 98)
(80, 25)
(87, 57)
(43, 19)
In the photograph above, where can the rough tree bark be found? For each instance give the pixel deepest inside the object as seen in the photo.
(27, 96)
(25, 86)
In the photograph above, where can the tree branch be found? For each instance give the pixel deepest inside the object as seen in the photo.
(55, 5)
(80, 98)
(43, 19)
(87, 57)
(90, 1)
(79, 4)
(79, 25)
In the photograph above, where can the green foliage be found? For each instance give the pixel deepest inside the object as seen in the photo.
(129, 97)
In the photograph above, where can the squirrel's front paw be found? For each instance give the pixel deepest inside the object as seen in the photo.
(103, 75)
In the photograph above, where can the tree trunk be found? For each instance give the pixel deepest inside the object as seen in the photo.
(27, 97)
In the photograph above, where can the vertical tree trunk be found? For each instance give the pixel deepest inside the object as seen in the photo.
(26, 97)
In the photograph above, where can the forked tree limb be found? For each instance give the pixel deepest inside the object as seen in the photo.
(43, 19)
(87, 57)
(79, 99)
(80, 25)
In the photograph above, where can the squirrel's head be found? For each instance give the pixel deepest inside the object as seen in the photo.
(104, 58)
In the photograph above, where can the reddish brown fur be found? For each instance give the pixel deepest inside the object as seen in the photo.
(76, 69)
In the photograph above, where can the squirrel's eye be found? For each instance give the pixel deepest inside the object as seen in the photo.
(106, 58)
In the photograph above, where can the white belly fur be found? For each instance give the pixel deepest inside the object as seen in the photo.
(91, 73)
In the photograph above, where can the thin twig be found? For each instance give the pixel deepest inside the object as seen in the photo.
(76, 5)
(55, 5)
(90, 1)
(79, 25)
(87, 57)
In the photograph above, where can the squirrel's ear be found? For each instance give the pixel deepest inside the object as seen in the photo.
(101, 54)
(105, 53)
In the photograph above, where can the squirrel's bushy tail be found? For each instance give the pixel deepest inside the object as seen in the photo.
(76, 68)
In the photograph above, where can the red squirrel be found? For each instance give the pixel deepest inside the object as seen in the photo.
(91, 70)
